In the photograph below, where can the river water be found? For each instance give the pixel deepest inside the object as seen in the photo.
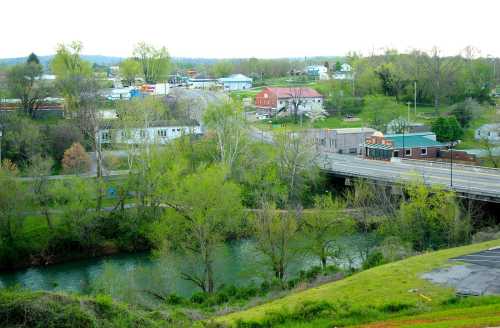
(123, 275)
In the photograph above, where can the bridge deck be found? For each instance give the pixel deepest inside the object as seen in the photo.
(474, 182)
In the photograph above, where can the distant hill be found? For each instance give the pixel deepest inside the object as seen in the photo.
(44, 60)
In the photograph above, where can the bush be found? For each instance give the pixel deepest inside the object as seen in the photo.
(374, 259)
(199, 298)
(76, 160)
(174, 299)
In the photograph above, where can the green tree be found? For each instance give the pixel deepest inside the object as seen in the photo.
(430, 218)
(274, 231)
(155, 63)
(13, 200)
(447, 129)
(71, 74)
(130, 69)
(381, 110)
(222, 68)
(202, 208)
(323, 227)
(21, 140)
(40, 170)
(24, 82)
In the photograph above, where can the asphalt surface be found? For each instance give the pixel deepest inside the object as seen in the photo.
(469, 279)
(489, 258)
(484, 182)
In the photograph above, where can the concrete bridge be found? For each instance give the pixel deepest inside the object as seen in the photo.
(467, 181)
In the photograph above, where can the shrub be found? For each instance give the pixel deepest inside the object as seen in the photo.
(199, 298)
(374, 259)
(174, 299)
(75, 159)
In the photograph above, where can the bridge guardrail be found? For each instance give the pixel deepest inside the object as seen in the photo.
(472, 168)
(483, 192)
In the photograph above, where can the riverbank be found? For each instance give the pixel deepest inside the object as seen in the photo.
(398, 285)
(40, 260)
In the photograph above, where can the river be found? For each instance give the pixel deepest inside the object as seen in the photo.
(123, 275)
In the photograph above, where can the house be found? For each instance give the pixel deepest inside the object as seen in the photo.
(157, 133)
(318, 72)
(410, 145)
(236, 82)
(490, 132)
(282, 99)
(345, 73)
(342, 141)
(202, 82)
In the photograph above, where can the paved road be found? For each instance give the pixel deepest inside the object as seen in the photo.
(474, 181)
(466, 179)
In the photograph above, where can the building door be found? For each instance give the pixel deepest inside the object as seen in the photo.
(396, 153)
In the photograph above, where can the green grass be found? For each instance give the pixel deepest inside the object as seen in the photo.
(44, 309)
(374, 288)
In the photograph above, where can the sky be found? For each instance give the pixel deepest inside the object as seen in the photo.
(250, 28)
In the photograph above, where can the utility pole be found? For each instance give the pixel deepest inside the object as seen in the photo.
(0, 146)
(408, 103)
(415, 97)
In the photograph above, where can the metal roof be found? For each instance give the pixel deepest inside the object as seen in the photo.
(415, 140)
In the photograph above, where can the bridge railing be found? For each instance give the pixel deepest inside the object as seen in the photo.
(465, 167)
(398, 178)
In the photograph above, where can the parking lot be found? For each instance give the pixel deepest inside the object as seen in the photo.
(489, 258)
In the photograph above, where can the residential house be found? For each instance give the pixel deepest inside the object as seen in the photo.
(236, 82)
(282, 99)
(345, 73)
(410, 145)
(342, 141)
(490, 132)
(157, 133)
(318, 72)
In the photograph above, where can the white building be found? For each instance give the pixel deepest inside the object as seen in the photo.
(236, 82)
(318, 71)
(345, 73)
(490, 132)
(119, 93)
(342, 141)
(153, 135)
(202, 83)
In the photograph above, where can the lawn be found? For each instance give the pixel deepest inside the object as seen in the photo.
(381, 286)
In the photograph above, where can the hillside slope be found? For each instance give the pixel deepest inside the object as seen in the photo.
(371, 295)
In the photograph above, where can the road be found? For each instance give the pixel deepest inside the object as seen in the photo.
(476, 182)
(471, 180)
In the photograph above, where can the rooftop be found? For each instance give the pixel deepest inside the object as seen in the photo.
(236, 78)
(352, 130)
(413, 140)
(303, 92)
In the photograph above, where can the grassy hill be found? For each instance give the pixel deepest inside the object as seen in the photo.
(386, 292)
(44, 309)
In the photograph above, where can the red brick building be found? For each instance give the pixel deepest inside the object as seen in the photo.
(280, 98)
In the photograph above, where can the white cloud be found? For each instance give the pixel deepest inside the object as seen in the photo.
(237, 28)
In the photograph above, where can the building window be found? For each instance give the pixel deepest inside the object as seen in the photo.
(162, 133)
(105, 135)
(423, 151)
(142, 133)
(407, 152)
(396, 153)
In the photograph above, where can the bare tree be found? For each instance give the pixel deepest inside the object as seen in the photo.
(274, 231)
(91, 122)
(489, 148)
(296, 99)
(297, 164)
(442, 73)
(226, 121)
